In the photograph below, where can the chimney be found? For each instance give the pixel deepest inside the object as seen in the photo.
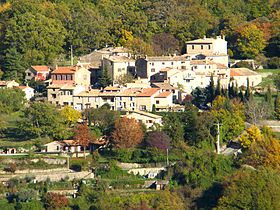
(204, 37)
(56, 67)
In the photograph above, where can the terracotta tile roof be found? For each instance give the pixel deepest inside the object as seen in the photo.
(164, 86)
(64, 70)
(23, 87)
(242, 72)
(112, 88)
(147, 92)
(40, 68)
(164, 94)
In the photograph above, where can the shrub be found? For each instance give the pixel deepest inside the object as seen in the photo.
(78, 164)
(55, 201)
(274, 63)
(11, 168)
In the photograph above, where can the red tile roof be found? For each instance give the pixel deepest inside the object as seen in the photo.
(40, 68)
(163, 94)
(147, 92)
(234, 73)
(64, 70)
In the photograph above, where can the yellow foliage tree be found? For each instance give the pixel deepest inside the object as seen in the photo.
(71, 115)
(252, 134)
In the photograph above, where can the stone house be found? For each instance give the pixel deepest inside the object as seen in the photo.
(8, 84)
(149, 66)
(118, 66)
(39, 73)
(239, 76)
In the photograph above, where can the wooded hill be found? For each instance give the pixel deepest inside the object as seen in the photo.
(42, 31)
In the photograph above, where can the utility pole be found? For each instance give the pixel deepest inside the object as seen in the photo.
(71, 48)
(218, 138)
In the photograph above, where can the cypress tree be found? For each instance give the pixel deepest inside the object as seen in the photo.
(268, 95)
(211, 90)
(235, 90)
(230, 90)
(241, 96)
(248, 90)
(277, 107)
(218, 88)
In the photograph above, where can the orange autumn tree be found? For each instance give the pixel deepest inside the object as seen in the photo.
(82, 136)
(127, 134)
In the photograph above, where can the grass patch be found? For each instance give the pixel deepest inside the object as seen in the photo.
(274, 71)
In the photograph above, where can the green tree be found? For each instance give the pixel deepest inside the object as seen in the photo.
(173, 127)
(277, 107)
(42, 119)
(105, 79)
(251, 189)
(268, 95)
(250, 41)
(11, 100)
(200, 168)
(211, 90)
(38, 39)
(14, 65)
(277, 81)
(218, 88)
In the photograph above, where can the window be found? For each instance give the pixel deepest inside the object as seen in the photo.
(130, 98)
(58, 77)
(183, 67)
(172, 63)
(153, 64)
(157, 101)
(53, 95)
(163, 63)
(142, 108)
(120, 98)
(119, 69)
(182, 61)
(201, 47)
(192, 47)
(153, 70)
(63, 77)
(112, 100)
(69, 77)
(123, 69)
(28, 74)
(209, 47)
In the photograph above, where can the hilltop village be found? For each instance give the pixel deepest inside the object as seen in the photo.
(139, 105)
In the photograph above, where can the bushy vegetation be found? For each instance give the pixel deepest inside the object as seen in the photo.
(41, 32)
